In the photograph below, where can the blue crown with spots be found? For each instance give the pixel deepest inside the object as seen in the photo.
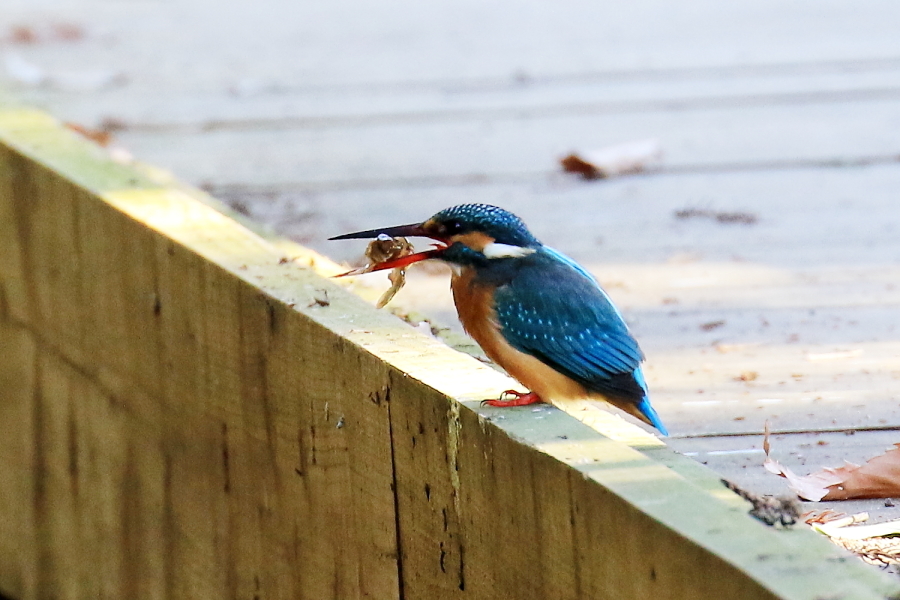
(500, 224)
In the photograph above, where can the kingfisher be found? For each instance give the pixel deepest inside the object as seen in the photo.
(534, 311)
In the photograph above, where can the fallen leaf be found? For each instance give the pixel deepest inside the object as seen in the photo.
(711, 325)
(809, 488)
(621, 159)
(877, 478)
(575, 164)
(747, 376)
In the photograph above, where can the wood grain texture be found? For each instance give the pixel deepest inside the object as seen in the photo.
(180, 419)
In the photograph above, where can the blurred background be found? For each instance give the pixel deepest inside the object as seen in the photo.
(757, 258)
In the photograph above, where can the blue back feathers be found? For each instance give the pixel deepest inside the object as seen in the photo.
(554, 310)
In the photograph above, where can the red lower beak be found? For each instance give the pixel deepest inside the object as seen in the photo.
(397, 263)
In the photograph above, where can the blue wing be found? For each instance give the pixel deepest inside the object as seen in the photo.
(554, 310)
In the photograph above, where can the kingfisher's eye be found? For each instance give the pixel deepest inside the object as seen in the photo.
(453, 227)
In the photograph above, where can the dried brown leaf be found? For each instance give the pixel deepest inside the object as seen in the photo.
(621, 159)
(877, 478)
(575, 164)
(809, 488)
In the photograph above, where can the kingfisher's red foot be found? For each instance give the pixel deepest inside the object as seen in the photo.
(518, 399)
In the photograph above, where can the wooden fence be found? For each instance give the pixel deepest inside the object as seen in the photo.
(181, 418)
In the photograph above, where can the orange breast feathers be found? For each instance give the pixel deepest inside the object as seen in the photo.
(475, 305)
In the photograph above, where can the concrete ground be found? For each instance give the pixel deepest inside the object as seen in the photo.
(322, 118)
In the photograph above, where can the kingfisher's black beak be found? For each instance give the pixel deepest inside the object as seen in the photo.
(413, 230)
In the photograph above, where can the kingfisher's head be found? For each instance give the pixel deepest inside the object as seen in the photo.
(467, 233)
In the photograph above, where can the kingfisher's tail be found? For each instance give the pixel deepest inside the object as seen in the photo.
(650, 415)
(645, 411)
(641, 410)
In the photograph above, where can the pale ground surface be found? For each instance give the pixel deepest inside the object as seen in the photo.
(321, 118)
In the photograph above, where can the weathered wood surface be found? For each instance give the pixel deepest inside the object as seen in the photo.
(180, 419)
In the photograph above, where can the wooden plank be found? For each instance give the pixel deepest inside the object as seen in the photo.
(19, 554)
(298, 450)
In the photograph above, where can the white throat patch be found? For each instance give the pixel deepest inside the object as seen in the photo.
(495, 250)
